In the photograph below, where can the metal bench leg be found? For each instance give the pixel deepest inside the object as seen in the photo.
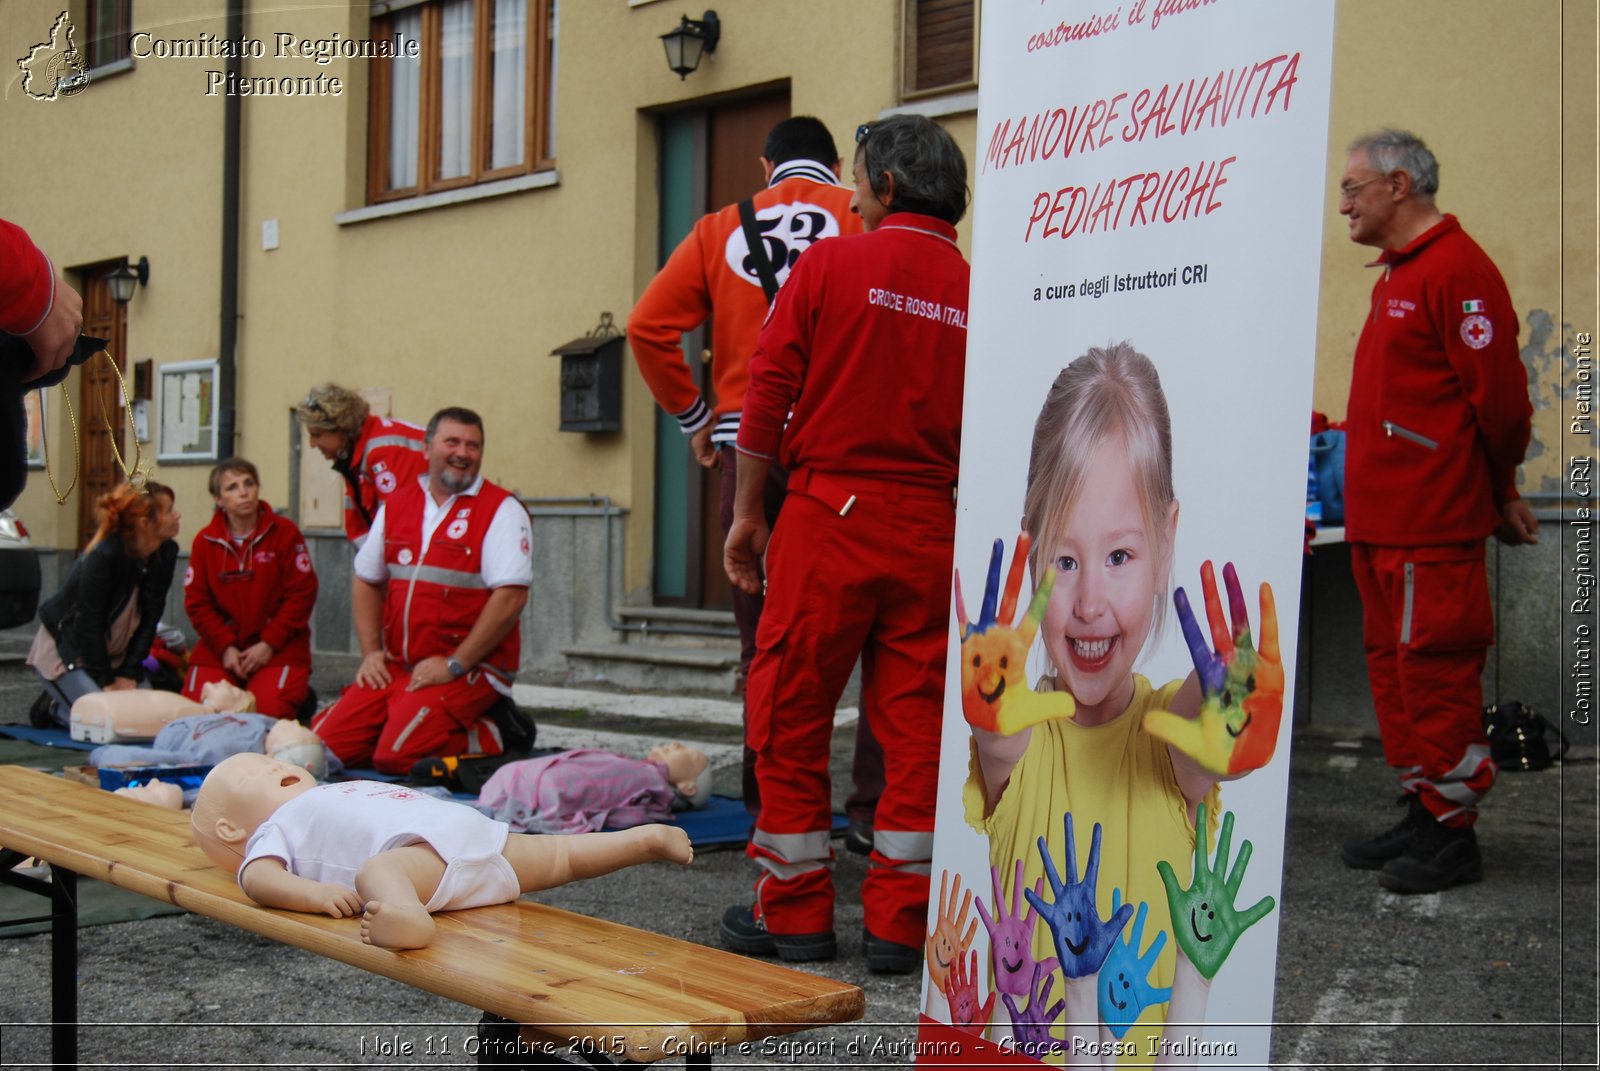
(64, 966)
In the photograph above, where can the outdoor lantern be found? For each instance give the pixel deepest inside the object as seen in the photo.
(591, 379)
(686, 43)
(121, 280)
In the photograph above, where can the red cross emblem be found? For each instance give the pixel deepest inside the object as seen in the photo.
(1477, 331)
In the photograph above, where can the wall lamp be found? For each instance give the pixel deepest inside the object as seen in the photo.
(689, 41)
(122, 279)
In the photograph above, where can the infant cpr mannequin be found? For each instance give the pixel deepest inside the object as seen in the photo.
(387, 852)
(136, 715)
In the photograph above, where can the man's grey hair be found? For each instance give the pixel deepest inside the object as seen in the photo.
(1400, 150)
(930, 174)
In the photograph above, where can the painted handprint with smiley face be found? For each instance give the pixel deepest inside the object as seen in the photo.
(1204, 920)
(947, 942)
(1082, 937)
(1011, 935)
(1124, 982)
(995, 696)
(1241, 709)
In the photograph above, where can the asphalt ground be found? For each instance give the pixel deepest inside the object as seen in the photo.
(1499, 973)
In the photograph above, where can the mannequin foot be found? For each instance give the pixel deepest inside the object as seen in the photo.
(397, 926)
(667, 843)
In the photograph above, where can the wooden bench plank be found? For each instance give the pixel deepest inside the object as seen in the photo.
(567, 976)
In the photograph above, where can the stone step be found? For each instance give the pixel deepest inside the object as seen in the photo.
(674, 626)
(676, 670)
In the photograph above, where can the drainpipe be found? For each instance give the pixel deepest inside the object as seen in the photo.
(228, 338)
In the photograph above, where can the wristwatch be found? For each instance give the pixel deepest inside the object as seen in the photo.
(455, 667)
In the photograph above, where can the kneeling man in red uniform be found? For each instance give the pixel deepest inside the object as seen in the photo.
(440, 585)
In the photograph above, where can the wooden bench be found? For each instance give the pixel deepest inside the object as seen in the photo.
(576, 984)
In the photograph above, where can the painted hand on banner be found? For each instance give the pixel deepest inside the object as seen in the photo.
(1011, 935)
(1082, 938)
(1124, 984)
(961, 990)
(1204, 919)
(1242, 688)
(946, 943)
(995, 696)
(1030, 1026)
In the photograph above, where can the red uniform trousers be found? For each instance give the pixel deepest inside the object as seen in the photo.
(875, 583)
(1427, 625)
(391, 728)
(279, 688)
(867, 769)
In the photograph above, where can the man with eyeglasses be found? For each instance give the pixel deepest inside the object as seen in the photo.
(374, 455)
(719, 273)
(1437, 423)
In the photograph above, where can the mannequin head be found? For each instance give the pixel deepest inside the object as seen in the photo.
(161, 793)
(225, 697)
(291, 742)
(688, 770)
(239, 794)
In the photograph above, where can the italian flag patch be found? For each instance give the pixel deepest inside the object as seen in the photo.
(1472, 306)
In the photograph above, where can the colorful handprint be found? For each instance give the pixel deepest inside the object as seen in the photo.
(1030, 1026)
(947, 943)
(1082, 938)
(1242, 687)
(1204, 919)
(994, 685)
(1011, 935)
(1124, 984)
(961, 990)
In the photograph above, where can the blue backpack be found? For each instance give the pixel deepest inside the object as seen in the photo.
(1327, 457)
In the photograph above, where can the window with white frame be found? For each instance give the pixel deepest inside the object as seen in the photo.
(475, 103)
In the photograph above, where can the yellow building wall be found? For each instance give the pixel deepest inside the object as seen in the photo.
(130, 167)
(1503, 92)
(461, 304)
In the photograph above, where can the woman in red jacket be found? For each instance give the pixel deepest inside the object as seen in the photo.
(249, 593)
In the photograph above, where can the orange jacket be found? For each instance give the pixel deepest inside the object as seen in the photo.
(708, 277)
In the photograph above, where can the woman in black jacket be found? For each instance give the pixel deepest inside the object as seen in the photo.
(96, 631)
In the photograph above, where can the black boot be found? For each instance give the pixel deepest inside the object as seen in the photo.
(1370, 853)
(1438, 857)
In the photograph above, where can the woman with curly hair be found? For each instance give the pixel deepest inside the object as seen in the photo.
(373, 454)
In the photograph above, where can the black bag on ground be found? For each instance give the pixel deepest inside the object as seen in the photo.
(1521, 739)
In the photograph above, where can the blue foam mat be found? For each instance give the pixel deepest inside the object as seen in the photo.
(722, 821)
(46, 737)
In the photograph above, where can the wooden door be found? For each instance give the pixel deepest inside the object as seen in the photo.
(710, 157)
(101, 419)
(735, 137)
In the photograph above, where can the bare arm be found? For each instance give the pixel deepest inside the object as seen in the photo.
(366, 603)
(268, 882)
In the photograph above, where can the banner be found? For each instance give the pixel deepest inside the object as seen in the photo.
(1149, 199)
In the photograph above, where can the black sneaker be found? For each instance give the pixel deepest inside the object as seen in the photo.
(41, 715)
(743, 932)
(1371, 853)
(889, 957)
(517, 729)
(858, 838)
(1438, 857)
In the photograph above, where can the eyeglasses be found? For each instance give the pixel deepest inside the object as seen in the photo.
(862, 131)
(312, 405)
(1348, 191)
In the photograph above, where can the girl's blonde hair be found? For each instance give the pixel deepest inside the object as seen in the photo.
(1107, 392)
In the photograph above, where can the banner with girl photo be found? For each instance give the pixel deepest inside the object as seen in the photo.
(1148, 214)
